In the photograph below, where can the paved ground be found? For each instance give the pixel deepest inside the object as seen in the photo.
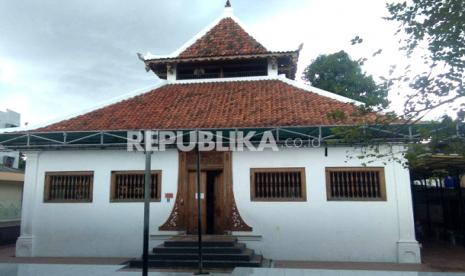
(7, 255)
(444, 257)
(352, 266)
(436, 257)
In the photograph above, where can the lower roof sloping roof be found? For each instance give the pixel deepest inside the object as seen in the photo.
(216, 104)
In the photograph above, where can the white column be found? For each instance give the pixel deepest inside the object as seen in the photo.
(24, 244)
(408, 249)
(272, 67)
(171, 74)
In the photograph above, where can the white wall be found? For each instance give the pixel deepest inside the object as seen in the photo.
(318, 229)
(9, 118)
(311, 230)
(100, 228)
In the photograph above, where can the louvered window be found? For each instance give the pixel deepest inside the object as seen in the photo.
(359, 183)
(128, 186)
(278, 184)
(68, 187)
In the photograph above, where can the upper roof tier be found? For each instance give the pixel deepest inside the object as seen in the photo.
(226, 40)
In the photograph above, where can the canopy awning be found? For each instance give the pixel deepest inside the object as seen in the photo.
(326, 135)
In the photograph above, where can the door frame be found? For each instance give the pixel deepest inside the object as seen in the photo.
(178, 219)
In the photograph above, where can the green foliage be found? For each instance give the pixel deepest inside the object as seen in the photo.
(22, 161)
(339, 74)
(434, 29)
(437, 138)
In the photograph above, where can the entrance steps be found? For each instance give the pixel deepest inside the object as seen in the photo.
(218, 252)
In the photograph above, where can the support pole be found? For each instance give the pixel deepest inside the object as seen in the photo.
(461, 207)
(147, 193)
(199, 211)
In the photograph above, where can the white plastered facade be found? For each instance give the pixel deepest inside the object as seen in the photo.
(316, 229)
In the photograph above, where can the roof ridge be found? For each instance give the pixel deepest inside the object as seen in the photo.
(320, 91)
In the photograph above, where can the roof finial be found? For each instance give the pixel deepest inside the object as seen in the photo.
(228, 4)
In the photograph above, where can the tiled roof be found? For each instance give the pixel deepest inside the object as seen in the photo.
(258, 103)
(227, 38)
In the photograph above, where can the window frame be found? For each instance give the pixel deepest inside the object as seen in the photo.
(122, 172)
(382, 183)
(47, 183)
(303, 184)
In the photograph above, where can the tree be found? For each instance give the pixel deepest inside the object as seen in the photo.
(435, 31)
(339, 74)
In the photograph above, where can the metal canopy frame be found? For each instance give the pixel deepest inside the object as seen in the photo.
(400, 133)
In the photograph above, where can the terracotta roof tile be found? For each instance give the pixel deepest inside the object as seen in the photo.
(227, 38)
(264, 103)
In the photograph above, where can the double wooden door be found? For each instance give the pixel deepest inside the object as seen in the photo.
(212, 190)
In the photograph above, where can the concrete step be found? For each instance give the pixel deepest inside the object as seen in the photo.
(237, 248)
(256, 261)
(244, 255)
(186, 243)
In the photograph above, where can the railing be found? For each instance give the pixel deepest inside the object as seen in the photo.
(225, 75)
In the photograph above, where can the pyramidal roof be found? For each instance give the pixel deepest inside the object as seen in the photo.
(227, 38)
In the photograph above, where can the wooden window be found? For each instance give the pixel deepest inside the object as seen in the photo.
(355, 183)
(128, 186)
(278, 184)
(68, 187)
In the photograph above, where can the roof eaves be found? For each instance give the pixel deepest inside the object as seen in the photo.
(163, 60)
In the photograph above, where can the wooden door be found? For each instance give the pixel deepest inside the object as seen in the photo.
(219, 209)
(192, 207)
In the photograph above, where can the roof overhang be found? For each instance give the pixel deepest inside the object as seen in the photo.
(294, 54)
(325, 134)
(12, 176)
(430, 165)
(289, 59)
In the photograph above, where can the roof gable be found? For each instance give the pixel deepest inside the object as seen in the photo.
(227, 38)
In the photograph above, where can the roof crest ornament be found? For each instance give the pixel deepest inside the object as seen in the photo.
(228, 10)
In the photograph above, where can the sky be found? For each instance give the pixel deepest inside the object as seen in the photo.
(61, 57)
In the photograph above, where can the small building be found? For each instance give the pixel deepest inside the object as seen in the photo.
(11, 184)
(11, 188)
(305, 201)
(9, 118)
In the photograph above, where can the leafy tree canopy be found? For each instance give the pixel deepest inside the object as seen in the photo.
(339, 74)
(435, 30)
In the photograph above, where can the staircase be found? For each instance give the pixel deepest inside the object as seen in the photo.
(218, 252)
